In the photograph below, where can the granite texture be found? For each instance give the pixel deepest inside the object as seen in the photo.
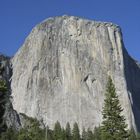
(60, 72)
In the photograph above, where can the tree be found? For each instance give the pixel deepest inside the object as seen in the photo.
(132, 135)
(31, 130)
(3, 100)
(63, 133)
(84, 134)
(113, 125)
(57, 131)
(97, 133)
(89, 134)
(49, 134)
(68, 132)
(75, 132)
(9, 134)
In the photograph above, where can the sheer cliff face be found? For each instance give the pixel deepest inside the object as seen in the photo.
(60, 72)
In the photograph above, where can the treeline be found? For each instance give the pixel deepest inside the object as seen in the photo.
(34, 132)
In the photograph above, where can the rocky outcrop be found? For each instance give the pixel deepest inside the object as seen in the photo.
(10, 117)
(5, 68)
(60, 72)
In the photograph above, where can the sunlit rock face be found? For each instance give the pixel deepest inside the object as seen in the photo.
(60, 72)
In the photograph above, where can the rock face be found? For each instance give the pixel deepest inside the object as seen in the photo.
(5, 68)
(10, 117)
(60, 72)
(132, 74)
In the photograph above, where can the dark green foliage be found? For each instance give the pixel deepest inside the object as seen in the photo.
(48, 134)
(97, 133)
(75, 132)
(132, 135)
(3, 100)
(10, 134)
(34, 132)
(84, 134)
(63, 134)
(57, 131)
(30, 132)
(113, 125)
(89, 135)
(68, 132)
(3, 87)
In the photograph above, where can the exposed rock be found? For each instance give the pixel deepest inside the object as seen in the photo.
(60, 72)
(5, 68)
(10, 117)
(27, 122)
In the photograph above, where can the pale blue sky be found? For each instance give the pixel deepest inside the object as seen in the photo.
(18, 17)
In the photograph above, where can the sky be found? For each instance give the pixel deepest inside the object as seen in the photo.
(18, 17)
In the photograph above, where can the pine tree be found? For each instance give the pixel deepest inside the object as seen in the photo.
(97, 133)
(57, 131)
(75, 132)
(63, 134)
(113, 125)
(89, 134)
(49, 134)
(84, 134)
(68, 132)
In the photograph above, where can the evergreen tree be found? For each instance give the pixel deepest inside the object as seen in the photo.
(3, 99)
(57, 131)
(9, 134)
(23, 135)
(63, 133)
(84, 134)
(49, 134)
(68, 132)
(113, 125)
(75, 132)
(132, 135)
(97, 133)
(89, 134)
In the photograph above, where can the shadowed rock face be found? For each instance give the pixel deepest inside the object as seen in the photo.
(10, 117)
(60, 72)
(132, 72)
(5, 68)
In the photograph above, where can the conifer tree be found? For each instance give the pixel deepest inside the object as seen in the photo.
(113, 125)
(75, 132)
(63, 134)
(97, 133)
(3, 100)
(84, 134)
(49, 134)
(89, 134)
(132, 135)
(68, 131)
(57, 131)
